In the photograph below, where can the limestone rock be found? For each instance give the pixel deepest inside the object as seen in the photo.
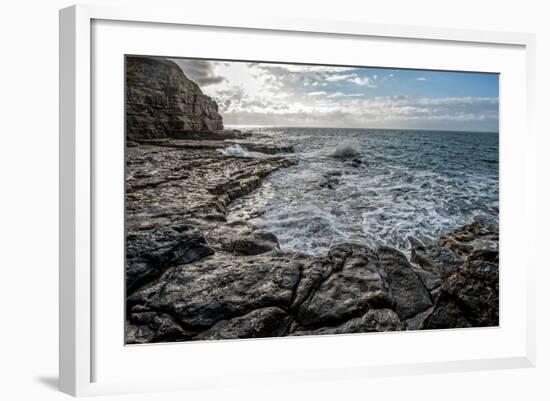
(161, 101)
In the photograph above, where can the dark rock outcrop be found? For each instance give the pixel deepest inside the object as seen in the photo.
(162, 102)
(410, 294)
(438, 260)
(481, 234)
(354, 284)
(150, 251)
(373, 321)
(469, 297)
(433, 263)
(219, 288)
(263, 322)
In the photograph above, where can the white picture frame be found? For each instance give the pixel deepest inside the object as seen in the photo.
(81, 346)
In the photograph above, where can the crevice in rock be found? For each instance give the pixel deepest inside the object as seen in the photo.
(332, 323)
(296, 285)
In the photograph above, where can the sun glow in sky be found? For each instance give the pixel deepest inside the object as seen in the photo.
(320, 96)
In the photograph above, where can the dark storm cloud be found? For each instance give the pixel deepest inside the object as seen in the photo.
(199, 71)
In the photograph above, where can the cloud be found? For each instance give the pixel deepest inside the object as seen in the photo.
(341, 110)
(421, 79)
(199, 71)
(363, 81)
(297, 68)
(340, 77)
(318, 93)
(340, 94)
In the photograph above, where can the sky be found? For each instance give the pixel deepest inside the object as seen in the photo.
(291, 95)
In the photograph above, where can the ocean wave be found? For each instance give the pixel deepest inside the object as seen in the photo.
(235, 150)
(347, 149)
(410, 187)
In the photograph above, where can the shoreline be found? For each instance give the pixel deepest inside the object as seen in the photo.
(192, 275)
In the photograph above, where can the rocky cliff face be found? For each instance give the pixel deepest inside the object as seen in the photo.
(162, 102)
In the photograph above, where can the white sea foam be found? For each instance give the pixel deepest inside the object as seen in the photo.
(419, 184)
(350, 148)
(235, 150)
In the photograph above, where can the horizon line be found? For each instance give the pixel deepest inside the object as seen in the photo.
(366, 128)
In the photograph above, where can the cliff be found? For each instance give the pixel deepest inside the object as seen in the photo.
(161, 102)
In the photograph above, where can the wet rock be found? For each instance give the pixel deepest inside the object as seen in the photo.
(149, 252)
(150, 326)
(213, 141)
(241, 238)
(314, 272)
(438, 260)
(375, 320)
(481, 234)
(192, 181)
(263, 322)
(220, 288)
(219, 135)
(430, 280)
(354, 285)
(269, 149)
(330, 179)
(415, 322)
(469, 297)
(259, 241)
(329, 182)
(410, 294)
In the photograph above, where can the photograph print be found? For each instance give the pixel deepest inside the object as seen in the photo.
(270, 199)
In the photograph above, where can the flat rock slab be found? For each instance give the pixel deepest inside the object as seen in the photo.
(217, 144)
(220, 288)
(194, 180)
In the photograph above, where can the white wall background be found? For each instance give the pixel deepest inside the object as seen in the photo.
(29, 186)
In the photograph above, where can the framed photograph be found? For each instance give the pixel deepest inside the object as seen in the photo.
(236, 194)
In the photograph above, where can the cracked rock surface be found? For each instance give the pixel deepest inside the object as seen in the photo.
(161, 101)
(193, 275)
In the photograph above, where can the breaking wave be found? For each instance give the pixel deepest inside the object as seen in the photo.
(235, 150)
(347, 149)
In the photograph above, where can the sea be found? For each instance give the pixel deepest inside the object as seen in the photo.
(371, 186)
